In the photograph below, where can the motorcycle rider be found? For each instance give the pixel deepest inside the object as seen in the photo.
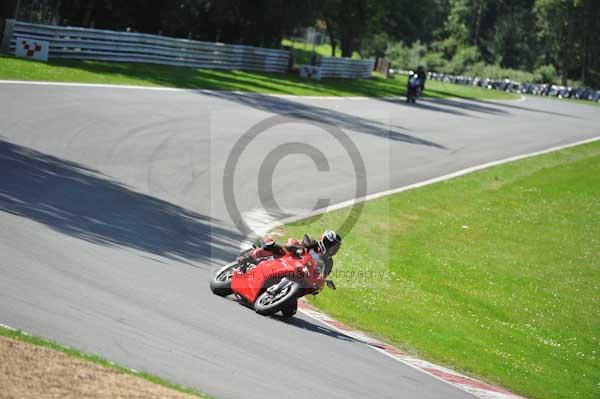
(269, 248)
(415, 84)
(294, 247)
(422, 75)
(326, 248)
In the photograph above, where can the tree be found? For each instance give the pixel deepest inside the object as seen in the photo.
(556, 23)
(590, 45)
(510, 39)
(459, 23)
(349, 20)
(517, 34)
(8, 9)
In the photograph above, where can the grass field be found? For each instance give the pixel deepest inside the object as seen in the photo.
(253, 82)
(496, 273)
(74, 353)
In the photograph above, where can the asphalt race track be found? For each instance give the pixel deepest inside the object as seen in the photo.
(112, 217)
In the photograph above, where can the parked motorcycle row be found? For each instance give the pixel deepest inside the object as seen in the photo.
(581, 93)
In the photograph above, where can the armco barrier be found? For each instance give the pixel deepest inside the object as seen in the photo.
(105, 45)
(331, 67)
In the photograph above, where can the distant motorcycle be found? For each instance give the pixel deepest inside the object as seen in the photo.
(414, 87)
(273, 285)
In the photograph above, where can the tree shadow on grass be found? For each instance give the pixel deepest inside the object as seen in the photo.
(80, 202)
(216, 79)
(168, 76)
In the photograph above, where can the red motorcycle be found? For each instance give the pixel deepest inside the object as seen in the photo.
(273, 285)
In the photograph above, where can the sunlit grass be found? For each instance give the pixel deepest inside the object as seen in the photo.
(253, 82)
(496, 273)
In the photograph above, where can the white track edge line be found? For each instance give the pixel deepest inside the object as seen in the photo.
(8, 327)
(208, 91)
(423, 183)
(181, 90)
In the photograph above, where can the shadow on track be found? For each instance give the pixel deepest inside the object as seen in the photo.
(491, 107)
(429, 104)
(300, 323)
(283, 106)
(457, 106)
(80, 202)
(316, 328)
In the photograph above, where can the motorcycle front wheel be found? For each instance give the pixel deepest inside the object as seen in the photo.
(268, 304)
(291, 310)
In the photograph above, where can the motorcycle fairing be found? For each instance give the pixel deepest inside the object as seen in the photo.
(250, 284)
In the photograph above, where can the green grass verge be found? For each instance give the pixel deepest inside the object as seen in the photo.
(155, 75)
(496, 273)
(19, 335)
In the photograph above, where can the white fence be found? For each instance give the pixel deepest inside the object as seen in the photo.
(333, 67)
(105, 45)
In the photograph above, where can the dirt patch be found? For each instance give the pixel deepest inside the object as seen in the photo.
(31, 371)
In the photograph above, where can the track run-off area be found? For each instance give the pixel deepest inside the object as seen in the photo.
(113, 216)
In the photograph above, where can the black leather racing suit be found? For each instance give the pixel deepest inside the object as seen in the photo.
(423, 76)
(327, 261)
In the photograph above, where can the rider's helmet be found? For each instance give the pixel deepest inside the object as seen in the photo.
(329, 243)
(269, 243)
(294, 247)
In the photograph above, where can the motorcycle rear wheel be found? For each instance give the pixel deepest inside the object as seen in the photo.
(267, 304)
(220, 283)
